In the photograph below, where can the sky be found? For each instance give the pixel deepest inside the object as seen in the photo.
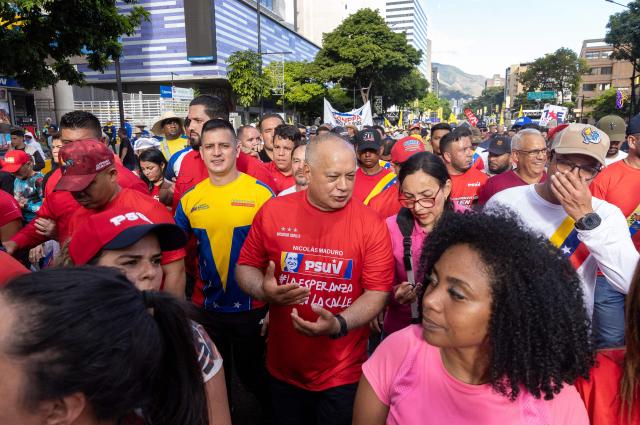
(485, 37)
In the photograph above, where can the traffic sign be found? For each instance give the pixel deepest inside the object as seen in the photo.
(541, 95)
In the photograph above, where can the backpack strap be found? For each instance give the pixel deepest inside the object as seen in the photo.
(405, 223)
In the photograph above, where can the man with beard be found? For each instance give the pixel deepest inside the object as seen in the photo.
(499, 155)
(457, 153)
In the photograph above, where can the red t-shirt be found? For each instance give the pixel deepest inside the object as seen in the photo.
(128, 198)
(619, 184)
(337, 255)
(282, 182)
(155, 192)
(193, 171)
(386, 203)
(501, 182)
(9, 209)
(60, 206)
(601, 393)
(466, 187)
(366, 185)
(9, 268)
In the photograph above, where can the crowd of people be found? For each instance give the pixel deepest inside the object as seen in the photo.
(335, 275)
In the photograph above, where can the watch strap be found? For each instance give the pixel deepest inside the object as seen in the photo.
(343, 327)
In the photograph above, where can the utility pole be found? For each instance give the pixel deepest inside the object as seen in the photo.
(260, 51)
(119, 90)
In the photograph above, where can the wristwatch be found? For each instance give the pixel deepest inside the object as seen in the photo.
(343, 327)
(588, 222)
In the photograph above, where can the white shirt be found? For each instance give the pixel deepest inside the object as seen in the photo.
(618, 157)
(609, 244)
(288, 191)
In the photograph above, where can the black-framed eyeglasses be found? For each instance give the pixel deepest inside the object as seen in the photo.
(534, 153)
(586, 172)
(423, 202)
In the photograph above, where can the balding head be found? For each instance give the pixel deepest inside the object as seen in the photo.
(330, 167)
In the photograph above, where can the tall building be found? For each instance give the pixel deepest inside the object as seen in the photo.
(495, 81)
(435, 83)
(512, 85)
(315, 18)
(605, 73)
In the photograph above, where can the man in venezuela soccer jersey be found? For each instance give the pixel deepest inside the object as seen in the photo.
(371, 178)
(591, 233)
(219, 211)
(323, 262)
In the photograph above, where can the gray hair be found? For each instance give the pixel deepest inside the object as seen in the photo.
(312, 147)
(517, 138)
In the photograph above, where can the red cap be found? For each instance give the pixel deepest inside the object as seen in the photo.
(404, 148)
(15, 159)
(81, 161)
(118, 228)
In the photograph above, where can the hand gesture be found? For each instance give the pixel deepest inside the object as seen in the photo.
(45, 227)
(573, 193)
(325, 324)
(36, 254)
(282, 294)
(406, 293)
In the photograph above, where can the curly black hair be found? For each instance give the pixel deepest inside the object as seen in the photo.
(539, 329)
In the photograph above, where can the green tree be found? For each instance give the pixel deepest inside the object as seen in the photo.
(489, 99)
(623, 32)
(559, 71)
(605, 104)
(402, 91)
(246, 78)
(364, 53)
(39, 37)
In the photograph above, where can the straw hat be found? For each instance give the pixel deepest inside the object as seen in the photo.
(157, 127)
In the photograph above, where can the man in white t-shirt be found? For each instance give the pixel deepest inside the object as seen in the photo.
(590, 232)
(297, 169)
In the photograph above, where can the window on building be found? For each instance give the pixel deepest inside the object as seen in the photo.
(267, 3)
(606, 70)
(594, 71)
(605, 55)
(604, 86)
(592, 55)
(588, 87)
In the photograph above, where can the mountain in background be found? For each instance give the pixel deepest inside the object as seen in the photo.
(456, 84)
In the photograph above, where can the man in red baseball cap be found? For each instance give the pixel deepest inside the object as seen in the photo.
(386, 204)
(89, 174)
(57, 208)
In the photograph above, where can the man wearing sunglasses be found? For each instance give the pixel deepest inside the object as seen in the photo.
(589, 232)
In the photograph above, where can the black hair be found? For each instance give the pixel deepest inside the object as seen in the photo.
(217, 124)
(453, 137)
(380, 128)
(440, 126)
(81, 119)
(17, 132)
(241, 129)
(300, 126)
(289, 132)
(266, 117)
(387, 145)
(214, 107)
(538, 332)
(430, 164)
(152, 155)
(89, 330)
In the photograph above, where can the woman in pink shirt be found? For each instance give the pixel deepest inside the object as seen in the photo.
(504, 334)
(424, 195)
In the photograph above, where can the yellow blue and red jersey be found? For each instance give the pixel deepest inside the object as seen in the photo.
(220, 218)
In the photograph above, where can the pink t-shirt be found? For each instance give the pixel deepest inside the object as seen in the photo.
(407, 374)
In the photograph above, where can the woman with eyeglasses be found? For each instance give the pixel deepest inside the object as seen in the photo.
(424, 192)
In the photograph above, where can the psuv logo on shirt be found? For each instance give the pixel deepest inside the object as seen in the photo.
(473, 184)
(294, 262)
(200, 207)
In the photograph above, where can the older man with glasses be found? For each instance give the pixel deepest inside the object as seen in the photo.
(529, 157)
(590, 233)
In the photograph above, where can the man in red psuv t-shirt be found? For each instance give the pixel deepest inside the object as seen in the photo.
(89, 174)
(457, 153)
(58, 207)
(285, 140)
(323, 262)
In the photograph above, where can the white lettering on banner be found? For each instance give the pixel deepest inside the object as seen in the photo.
(358, 117)
(553, 112)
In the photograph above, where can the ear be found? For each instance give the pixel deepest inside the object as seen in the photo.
(307, 171)
(65, 411)
(446, 189)
(380, 150)
(113, 174)
(446, 156)
(632, 141)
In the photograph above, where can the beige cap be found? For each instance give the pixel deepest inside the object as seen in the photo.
(614, 126)
(157, 127)
(582, 139)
